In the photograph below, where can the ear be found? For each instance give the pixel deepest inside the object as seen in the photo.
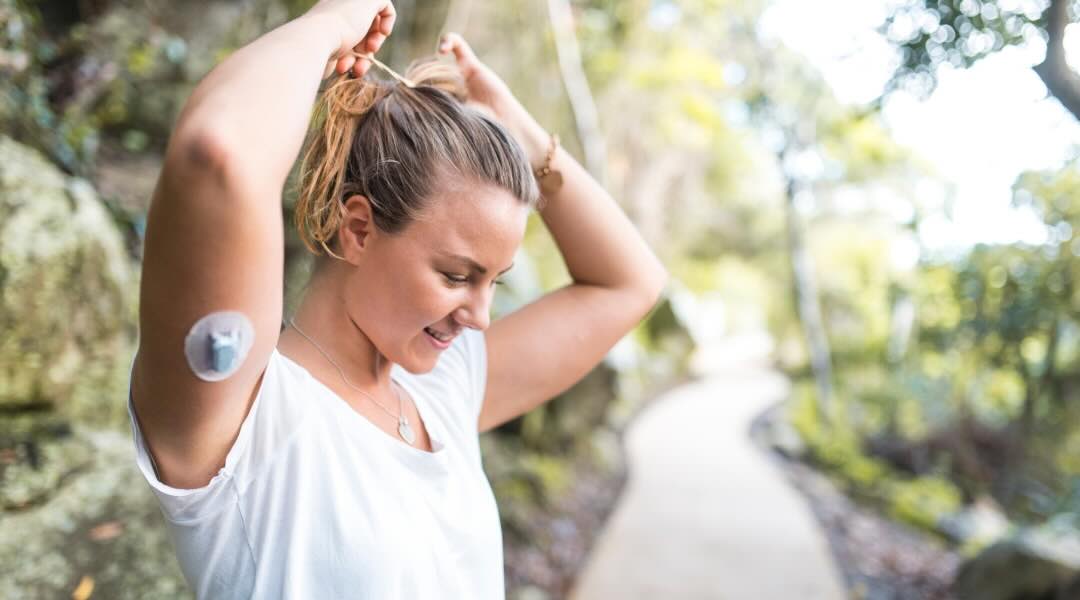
(357, 228)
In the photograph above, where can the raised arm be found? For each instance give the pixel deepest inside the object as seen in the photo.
(214, 236)
(542, 349)
(256, 105)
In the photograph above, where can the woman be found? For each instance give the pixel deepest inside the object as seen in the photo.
(338, 457)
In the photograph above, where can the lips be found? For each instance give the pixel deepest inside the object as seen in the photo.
(442, 337)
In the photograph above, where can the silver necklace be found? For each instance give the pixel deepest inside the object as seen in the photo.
(404, 430)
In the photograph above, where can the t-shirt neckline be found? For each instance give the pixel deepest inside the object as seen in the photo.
(434, 429)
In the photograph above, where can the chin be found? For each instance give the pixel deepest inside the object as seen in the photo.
(418, 365)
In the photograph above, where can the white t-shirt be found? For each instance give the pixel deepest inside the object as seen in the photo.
(315, 501)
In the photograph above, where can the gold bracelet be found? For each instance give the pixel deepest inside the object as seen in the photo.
(550, 180)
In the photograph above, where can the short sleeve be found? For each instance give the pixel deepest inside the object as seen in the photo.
(187, 505)
(476, 359)
(463, 368)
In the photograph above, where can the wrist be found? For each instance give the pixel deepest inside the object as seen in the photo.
(327, 28)
(532, 137)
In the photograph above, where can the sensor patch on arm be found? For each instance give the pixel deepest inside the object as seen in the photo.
(217, 344)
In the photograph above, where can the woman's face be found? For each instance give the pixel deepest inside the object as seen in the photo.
(422, 278)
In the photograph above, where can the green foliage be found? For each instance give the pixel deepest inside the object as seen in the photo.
(959, 33)
(919, 501)
(295, 8)
(834, 446)
(854, 286)
(859, 142)
(996, 340)
(924, 501)
(110, 73)
(549, 473)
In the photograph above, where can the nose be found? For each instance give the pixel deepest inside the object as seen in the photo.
(476, 313)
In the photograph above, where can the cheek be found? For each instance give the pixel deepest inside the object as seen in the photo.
(384, 303)
(429, 299)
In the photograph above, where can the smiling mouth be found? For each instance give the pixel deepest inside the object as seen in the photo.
(442, 337)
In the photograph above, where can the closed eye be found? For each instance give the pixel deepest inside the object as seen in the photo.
(458, 280)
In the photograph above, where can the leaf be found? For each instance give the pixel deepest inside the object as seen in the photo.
(84, 589)
(106, 531)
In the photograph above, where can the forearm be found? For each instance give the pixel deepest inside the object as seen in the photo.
(598, 242)
(256, 105)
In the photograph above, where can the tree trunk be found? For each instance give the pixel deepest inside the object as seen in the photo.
(577, 88)
(809, 307)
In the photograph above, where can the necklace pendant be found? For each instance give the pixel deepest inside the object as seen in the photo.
(405, 431)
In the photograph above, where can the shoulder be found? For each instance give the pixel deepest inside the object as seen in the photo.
(277, 413)
(460, 372)
(467, 355)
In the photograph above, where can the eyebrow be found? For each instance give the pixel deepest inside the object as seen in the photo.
(475, 265)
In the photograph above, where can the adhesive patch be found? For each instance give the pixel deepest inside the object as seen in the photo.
(218, 343)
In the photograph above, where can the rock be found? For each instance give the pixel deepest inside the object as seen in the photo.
(159, 51)
(783, 438)
(39, 464)
(1034, 564)
(980, 523)
(103, 524)
(67, 295)
(607, 450)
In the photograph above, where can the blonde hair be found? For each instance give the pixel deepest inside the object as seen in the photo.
(400, 145)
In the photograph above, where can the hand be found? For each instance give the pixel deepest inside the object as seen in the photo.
(490, 95)
(363, 26)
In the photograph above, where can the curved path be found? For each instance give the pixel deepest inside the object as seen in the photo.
(705, 514)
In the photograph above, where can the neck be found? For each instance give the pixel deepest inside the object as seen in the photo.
(321, 315)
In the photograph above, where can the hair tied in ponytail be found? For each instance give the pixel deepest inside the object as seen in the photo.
(399, 146)
(319, 208)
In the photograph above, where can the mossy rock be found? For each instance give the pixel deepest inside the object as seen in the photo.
(1032, 563)
(38, 465)
(67, 294)
(103, 528)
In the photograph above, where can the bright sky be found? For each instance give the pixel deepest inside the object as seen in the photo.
(982, 126)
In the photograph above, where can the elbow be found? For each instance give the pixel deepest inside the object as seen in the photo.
(200, 150)
(651, 289)
(664, 278)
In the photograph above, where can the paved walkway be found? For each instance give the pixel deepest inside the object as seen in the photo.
(705, 515)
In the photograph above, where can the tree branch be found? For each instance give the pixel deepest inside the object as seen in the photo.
(1062, 82)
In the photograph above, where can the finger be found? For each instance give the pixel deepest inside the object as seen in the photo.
(374, 41)
(386, 18)
(376, 28)
(343, 64)
(453, 42)
(361, 67)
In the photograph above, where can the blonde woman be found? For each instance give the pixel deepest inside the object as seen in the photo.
(337, 457)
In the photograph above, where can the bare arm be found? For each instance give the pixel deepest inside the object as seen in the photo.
(214, 240)
(542, 349)
(256, 105)
(599, 244)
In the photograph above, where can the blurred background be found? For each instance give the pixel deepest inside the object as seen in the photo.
(862, 381)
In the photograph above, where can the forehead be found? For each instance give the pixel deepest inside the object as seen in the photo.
(482, 222)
